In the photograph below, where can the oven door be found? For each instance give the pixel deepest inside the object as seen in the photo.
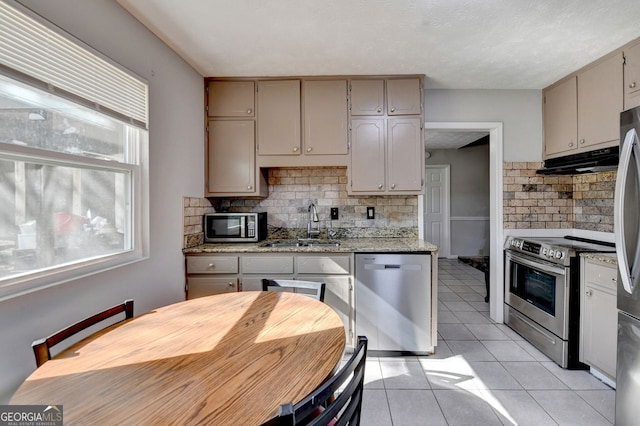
(539, 290)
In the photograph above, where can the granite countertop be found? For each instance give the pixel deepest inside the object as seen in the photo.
(609, 258)
(350, 245)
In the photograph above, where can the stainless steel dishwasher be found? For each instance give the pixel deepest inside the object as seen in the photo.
(393, 301)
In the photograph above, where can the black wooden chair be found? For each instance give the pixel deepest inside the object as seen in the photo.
(323, 407)
(308, 288)
(42, 347)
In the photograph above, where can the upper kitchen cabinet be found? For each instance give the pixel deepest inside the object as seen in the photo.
(325, 117)
(387, 156)
(367, 97)
(231, 99)
(560, 118)
(278, 117)
(231, 161)
(582, 112)
(632, 77)
(404, 96)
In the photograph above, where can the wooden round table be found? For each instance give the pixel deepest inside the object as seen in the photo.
(229, 359)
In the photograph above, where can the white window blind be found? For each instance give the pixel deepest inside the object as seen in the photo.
(61, 62)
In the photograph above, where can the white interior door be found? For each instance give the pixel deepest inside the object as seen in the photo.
(436, 208)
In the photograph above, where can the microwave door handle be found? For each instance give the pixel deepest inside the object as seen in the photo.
(629, 153)
(243, 226)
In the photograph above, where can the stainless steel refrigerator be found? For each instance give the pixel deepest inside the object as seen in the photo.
(626, 229)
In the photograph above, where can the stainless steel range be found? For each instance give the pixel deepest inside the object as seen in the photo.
(542, 292)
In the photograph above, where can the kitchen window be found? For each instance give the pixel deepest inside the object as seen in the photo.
(73, 157)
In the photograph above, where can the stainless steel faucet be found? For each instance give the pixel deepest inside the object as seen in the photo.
(313, 231)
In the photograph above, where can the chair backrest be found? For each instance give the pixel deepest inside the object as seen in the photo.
(41, 347)
(320, 408)
(308, 288)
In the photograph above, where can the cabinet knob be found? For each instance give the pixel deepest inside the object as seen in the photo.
(211, 265)
(230, 283)
(309, 149)
(249, 187)
(393, 109)
(249, 111)
(632, 85)
(570, 143)
(589, 293)
(295, 149)
(380, 186)
(581, 141)
(379, 109)
(393, 186)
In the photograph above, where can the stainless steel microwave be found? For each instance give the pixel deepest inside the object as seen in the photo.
(235, 227)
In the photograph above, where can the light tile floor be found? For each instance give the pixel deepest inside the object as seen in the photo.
(483, 373)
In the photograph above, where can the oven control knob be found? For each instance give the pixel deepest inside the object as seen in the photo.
(559, 255)
(544, 251)
(551, 253)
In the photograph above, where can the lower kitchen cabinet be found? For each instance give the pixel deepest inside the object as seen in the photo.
(598, 316)
(220, 273)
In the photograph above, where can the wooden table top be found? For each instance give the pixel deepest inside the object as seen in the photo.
(229, 359)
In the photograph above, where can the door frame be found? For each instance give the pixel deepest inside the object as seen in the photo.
(496, 230)
(445, 248)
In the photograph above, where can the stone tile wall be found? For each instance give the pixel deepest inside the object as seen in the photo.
(557, 202)
(290, 192)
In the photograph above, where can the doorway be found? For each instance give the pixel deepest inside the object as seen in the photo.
(496, 232)
(436, 207)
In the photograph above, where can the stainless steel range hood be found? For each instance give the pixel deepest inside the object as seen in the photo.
(586, 162)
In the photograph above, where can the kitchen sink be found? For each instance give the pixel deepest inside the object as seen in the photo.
(302, 242)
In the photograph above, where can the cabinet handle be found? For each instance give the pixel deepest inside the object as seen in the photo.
(379, 109)
(570, 143)
(380, 186)
(249, 111)
(581, 141)
(295, 149)
(249, 187)
(393, 186)
(309, 149)
(589, 293)
(632, 85)
(393, 109)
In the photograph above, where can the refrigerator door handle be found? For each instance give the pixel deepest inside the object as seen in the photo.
(630, 152)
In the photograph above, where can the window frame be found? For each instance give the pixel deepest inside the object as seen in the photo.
(138, 167)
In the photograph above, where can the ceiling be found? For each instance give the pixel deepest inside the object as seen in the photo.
(450, 139)
(457, 44)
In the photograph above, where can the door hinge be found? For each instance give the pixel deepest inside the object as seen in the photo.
(256, 87)
(624, 59)
(206, 108)
(186, 287)
(349, 86)
(206, 89)
(207, 129)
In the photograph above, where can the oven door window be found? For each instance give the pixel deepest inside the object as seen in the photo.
(228, 227)
(534, 286)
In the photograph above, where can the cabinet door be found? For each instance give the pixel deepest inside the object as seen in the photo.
(632, 77)
(325, 117)
(315, 264)
(231, 98)
(404, 97)
(206, 286)
(231, 157)
(367, 155)
(600, 329)
(278, 117)
(338, 293)
(405, 165)
(367, 97)
(560, 118)
(600, 100)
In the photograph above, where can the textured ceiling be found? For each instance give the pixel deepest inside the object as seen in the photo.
(458, 44)
(450, 139)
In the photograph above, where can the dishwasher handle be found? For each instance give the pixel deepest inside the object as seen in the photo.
(383, 266)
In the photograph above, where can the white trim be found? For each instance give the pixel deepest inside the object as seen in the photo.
(496, 262)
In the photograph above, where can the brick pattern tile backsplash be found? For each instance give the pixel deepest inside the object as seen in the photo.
(534, 201)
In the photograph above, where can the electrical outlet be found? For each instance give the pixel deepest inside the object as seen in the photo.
(334, 213)
(371, 212)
